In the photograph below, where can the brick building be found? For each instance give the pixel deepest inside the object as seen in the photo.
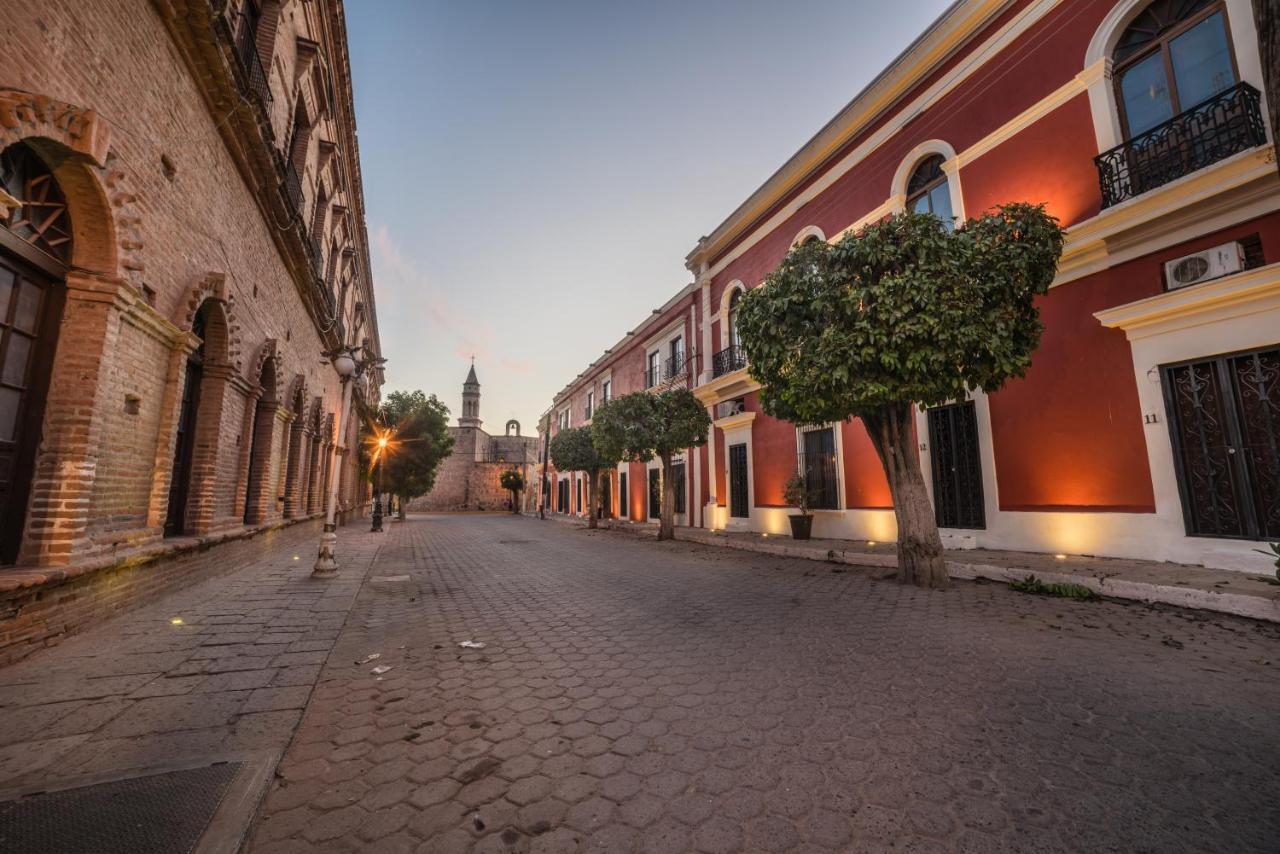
(182, 245)
(469, 479)
(1149, 423)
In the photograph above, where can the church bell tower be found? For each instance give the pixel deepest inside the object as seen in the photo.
(470, 400)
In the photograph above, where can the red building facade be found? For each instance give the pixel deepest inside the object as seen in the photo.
(1149, 423)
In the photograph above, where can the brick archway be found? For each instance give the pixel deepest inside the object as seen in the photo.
(266, 418)
(105, 264)
(298, 457)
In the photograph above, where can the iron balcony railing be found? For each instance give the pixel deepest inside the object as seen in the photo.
(731, 358)
(246, 46)
(1226, 124)
(292, 188)
(675, 367)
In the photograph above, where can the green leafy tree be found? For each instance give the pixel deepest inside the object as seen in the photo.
(639, 426)
(418, 428)
(513, 481)
(904, 312)
(573, 450)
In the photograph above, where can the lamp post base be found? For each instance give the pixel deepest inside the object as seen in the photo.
(326, 566)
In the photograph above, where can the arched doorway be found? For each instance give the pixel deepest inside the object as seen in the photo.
(175, 522)
(258, 487)
(35, 251)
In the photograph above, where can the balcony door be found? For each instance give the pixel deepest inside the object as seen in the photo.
(1224, 420)
(739, 503)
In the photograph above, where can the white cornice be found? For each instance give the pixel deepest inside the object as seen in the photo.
(1247, 292)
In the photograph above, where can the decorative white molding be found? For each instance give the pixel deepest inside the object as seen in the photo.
(1247, 292)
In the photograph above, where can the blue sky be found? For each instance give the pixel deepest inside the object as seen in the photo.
(535, 172)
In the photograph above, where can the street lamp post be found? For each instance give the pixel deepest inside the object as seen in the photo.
(326, 566)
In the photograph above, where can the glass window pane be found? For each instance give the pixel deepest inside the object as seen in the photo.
(921, 204)
(1202, 62)
(15, 360)
(1145, 90)
(940, 201)
(9, 401)
(24, 316)
(6, 289)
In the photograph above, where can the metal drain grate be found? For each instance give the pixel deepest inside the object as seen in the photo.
(163, 813)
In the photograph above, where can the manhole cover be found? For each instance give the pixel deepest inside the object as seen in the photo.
(162, 813)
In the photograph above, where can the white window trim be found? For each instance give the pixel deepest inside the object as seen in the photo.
(807, 232)
(837, 436)
(950, 167)
(723, 316)
(1098, 64)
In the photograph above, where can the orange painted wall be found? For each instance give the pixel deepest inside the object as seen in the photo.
(722, 490)
(1048, 162)
(638, 486)
(1069, 436)
(773, 455)
(866, 487)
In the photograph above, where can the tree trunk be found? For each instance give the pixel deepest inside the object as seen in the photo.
(515, 501)
(400, 507)
(920, 556)
(667, 523)
(591, 500)
(602, 481)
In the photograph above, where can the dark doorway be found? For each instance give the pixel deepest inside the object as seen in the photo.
(957, 466)
(606, 497)
(30, 312)
(624, 500)
(655, 493)
(739, 502)
(678, 484)
(819, 466)
(175, 522)
(258, 477)
(1224, 421)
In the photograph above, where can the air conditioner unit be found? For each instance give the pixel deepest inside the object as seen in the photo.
(731, 407)
(1202, 266)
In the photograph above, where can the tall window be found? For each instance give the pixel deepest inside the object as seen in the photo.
(733, 317)
(928, 192)
(655, 369)
(677, 355)
(819, 462)
(606, 390)
(1172, 57)
(591, 403)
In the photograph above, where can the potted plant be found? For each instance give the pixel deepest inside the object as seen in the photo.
(797, 494)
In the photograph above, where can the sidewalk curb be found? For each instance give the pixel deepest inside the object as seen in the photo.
(1261, 606)
(1236, 604)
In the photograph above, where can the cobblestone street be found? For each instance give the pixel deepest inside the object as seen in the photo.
(636, 696)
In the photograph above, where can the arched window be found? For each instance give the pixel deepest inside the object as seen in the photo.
(734, 341)
(928, 192)
(1173, 56)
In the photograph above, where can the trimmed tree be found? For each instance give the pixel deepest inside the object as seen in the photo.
(904, 312)
(641, 425)
(513, 481)
(573, 450)
(420, 442)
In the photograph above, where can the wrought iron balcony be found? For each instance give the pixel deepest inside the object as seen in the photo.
(292, 188)
(246, 46)
(675, 368)
(1213, 130)
(731, 358)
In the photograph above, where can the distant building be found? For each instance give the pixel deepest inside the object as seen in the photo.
(470, 478)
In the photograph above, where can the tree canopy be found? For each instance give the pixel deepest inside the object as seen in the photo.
(573, 449)
(418, 425)
(642, 425)
(905, 311)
